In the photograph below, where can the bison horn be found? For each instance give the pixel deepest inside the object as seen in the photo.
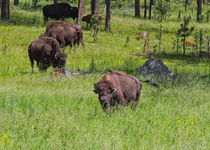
(114, 90)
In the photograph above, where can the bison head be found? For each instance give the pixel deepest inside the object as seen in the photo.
(106, 92)
(60, 60)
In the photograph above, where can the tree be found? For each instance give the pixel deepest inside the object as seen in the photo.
(161, 12)
(55, 1)
(145, 9)
(5, 10)
(108, 15)
(16, 2)
(137, 8)
(184, 31)
(81, 10)
(150, 8)
(95, 6)
(199, 9)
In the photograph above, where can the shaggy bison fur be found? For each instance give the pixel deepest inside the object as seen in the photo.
(118, 88)
(46, 52)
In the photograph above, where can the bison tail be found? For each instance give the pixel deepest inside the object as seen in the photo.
(151, 83)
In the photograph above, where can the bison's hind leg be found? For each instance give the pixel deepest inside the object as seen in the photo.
(135, 102)
(32, 64)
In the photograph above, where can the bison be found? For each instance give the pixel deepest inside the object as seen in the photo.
(118, 88)
(88, 17)
(59, 11)
(46, 52)
(65, 33)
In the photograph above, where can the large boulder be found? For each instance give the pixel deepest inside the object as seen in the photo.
(155, 68)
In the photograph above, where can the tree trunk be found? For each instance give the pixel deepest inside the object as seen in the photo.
(5, 10)
(16, 2)
(150, 9)
(145, 9)
(81, 10)
(199, 9)
(95, 6)
(55, 1)
(137, 8)
(108, 15)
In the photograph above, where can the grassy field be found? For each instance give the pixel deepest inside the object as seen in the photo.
(37, 112)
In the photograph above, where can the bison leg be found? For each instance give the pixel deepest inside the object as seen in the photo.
(45, 19)
(134, 103)
(32, 65)
(61, 40)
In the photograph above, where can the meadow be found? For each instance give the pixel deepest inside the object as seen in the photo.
(38, 112)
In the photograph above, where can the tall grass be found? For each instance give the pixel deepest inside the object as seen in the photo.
(37, 112)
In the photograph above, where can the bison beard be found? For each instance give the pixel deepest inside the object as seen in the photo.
(59, 11)
(46, 52)
(118, 88)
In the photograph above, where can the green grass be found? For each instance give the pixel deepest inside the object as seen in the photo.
(37, 112)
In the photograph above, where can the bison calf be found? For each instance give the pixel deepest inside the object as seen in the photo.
(88, 17)
(46, 52)
(118, 88)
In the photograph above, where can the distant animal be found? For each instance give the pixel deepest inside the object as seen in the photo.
(59, 11)
(204, 54)
(118, 88)
(88, 17)
(65, 33)
(60, 72)
(190, 43)
(46, 52)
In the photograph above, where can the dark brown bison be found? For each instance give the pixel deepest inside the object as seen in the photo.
(204, 54)
(88, 17)
(59, 11)
(117, 87)
(46, 52)
(65, 33)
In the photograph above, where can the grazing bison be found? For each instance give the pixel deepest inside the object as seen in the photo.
(117, 87)
(59, 11)
(46, 52)
(88, 17)
(65, 33)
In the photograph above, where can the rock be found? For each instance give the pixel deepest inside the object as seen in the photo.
(155, 68)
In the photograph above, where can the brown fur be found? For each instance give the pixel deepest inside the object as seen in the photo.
(46, 51)
(128, 89)
(66, 33)
(88, 17)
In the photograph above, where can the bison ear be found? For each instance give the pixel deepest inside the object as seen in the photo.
(96, 87)
(113, 90)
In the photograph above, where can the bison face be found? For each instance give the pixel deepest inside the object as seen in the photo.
(105, 94)
(60, 60)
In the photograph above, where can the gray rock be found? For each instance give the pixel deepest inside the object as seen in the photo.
(155, 68)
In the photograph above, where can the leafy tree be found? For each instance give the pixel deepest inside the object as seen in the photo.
(81, 10)
(199, 9)
(184, 31)
(108, 15)
(137, 8)
(161, 12)
(94, 27)
(16, 2)
(145, 9)
(5, 12)
(95, 6)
